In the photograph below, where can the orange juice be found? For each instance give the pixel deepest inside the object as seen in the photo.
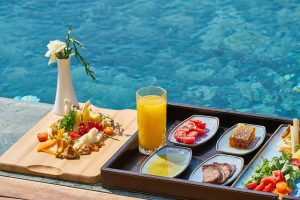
(152, 111)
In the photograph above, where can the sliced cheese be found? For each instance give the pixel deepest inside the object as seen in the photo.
(46, 145)
(297, 154)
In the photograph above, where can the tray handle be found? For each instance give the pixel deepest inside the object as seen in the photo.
(41, 169)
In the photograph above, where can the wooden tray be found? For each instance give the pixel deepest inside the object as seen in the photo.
(23, 157)
(125, 164)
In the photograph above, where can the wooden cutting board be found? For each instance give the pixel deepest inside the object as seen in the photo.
(23, 157)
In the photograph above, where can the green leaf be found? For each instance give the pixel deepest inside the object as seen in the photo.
(68, 121)
(74, 50)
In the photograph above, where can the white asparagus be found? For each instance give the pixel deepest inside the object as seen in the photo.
(89, 138)
(294, 135)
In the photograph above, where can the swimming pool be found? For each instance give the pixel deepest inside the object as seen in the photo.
(237, 55)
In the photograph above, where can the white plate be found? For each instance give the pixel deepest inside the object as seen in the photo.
(183, 158)
(197, 175)
(223, 142)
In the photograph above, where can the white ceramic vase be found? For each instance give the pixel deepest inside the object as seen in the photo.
(64, 88)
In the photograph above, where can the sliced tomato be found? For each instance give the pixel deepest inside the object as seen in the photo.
(252, 185)
(42, 137)
(108, 131)
(193, 134)
(188, 140)
(183, 130)
(199, 124)
(178, 139)
(260, 187)
(179, 134)
(268, 180)
(268, 188)
(278, 175)
(189, 124)
(201, 131)
(295, 162)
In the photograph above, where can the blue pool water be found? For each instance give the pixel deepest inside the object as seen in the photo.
(237, 55)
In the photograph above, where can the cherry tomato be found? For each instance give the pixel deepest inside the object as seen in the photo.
(74, 135)
(188, 140)
(288, 190)
(295, 162)
(252, 185)
(268, 188)
(108, 131)
(281, 187)
(260, 187)
(91, 124)
(83, 130)
(99, 126)
(42, 137)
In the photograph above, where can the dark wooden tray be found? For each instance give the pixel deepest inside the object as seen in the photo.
(122, 170)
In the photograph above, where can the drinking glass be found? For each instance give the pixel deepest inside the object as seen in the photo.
(152, 113)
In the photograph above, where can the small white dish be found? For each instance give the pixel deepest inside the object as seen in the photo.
(223, 142)
(180, 157)
(212, 125)
(197, 175)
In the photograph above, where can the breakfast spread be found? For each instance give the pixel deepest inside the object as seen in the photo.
(217, 173)
(189, 131)
(242, 136)
(78, 133)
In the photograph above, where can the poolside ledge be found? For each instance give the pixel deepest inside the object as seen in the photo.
(16, 117)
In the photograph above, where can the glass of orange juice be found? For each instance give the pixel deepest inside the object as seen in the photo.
(152, 113)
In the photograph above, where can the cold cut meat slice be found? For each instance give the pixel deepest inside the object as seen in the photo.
(217, 172)
(211, 174)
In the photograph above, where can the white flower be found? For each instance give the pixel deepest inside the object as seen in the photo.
(54, 47)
